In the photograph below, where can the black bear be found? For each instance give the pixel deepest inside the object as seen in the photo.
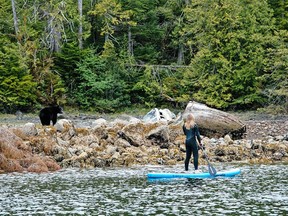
(50, 113)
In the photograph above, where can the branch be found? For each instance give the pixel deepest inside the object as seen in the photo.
(171, 67)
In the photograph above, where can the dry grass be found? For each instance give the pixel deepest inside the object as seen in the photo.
(19, 133)
(82, 131)
(17, 156)
(9, 165)
(10, 151)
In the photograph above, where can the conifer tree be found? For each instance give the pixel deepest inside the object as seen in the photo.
(228, 41)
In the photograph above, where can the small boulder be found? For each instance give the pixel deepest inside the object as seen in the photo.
(30, 129)
(99, 122)
(228, 139)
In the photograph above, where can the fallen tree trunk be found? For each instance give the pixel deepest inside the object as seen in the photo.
(213, 122)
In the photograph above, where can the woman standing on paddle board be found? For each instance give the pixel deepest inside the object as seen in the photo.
(192, 133)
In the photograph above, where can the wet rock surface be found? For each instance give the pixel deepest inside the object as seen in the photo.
(97, 141)
(259, 129)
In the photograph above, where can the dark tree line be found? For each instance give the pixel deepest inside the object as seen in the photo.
(103, 55)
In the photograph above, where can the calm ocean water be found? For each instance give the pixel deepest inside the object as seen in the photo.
(259, 190)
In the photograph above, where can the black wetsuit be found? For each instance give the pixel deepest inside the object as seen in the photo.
(191, 145)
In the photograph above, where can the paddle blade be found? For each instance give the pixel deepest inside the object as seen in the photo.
(211, 170)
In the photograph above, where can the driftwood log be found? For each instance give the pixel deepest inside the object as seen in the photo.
(215, 123)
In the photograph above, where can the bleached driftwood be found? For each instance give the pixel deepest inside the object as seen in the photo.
(213, 122)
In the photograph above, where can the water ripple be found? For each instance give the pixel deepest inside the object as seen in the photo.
(259, 190)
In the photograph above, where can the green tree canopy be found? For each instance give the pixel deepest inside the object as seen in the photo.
(228, 40)
(17, 87)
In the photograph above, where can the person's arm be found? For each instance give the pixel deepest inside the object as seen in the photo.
(183, 127)
(198, 134)
(200, 145)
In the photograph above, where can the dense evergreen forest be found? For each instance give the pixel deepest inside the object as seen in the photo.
(104, 55)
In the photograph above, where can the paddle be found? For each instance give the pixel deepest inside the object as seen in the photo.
(211, 169)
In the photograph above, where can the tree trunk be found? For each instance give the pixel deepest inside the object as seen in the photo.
(54, 35)
(213, 122)
(180, 55)
(130, 42)
(106, 37)
(80, 32)
(15, 17)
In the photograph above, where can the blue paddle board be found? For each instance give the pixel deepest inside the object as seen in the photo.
(228, 173)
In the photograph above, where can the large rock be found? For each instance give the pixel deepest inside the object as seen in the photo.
(66, 128)
(133, 133)
(159, 114)
(213, 122)
(159, 136)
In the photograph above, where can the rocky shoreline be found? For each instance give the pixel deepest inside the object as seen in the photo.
(87, 142)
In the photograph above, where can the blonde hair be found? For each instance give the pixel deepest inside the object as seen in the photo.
(190, 121)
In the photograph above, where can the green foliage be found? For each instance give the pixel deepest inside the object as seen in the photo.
(229, 45)
(156, 86)
(6, 18)
(280, 8)
(150, 30)
(275, 79)
(17, 87)
(233, 53)
(101, 87)
(111, 14)
(148, 87)
(65, 64)
(50, 89)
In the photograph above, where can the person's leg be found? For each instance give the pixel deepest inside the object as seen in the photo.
(195, 156)
(188, 156)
